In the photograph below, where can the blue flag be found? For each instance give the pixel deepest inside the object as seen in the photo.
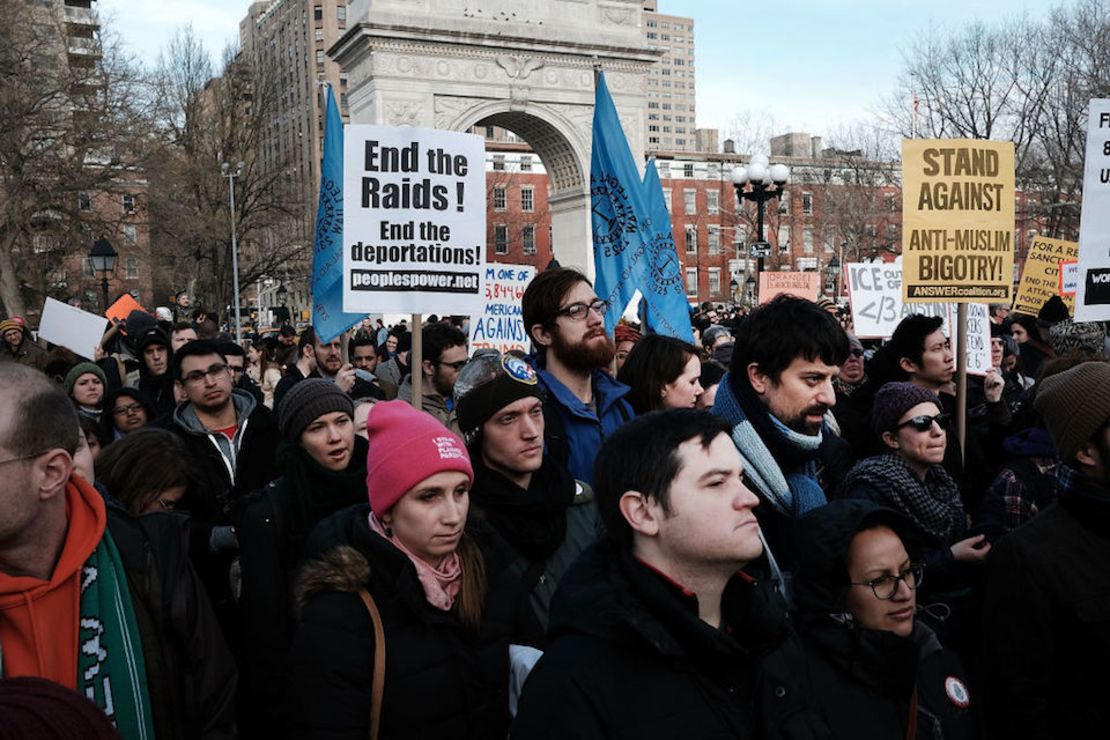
(327, 255)
(618, 206)
(633, 243)
(665, 296)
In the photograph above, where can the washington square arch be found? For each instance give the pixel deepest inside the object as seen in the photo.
(523, 65)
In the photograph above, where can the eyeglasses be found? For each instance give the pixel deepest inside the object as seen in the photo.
(168, 504)
(856, 353)
(212, 372)
(925, 422)
(885, 587)
(21, 458)
(132, 408)
(456, 366)
(579, 311)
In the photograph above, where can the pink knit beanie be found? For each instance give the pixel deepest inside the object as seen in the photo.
(406, 447)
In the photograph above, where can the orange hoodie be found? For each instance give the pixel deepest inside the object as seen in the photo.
(38, 619)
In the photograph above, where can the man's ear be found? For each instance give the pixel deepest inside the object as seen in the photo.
(757, 379)
(640, 514)
(429, 367)
(53, 470)
(1088, 455)
(891, 440)
(540, 335)
(907, 365)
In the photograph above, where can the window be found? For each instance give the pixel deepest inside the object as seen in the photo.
(784, 206)
(784, 239)
(341, 13)
(128, 203)
(692, 280)
(527, 199)
(714, 240)
(84, 201)
(318, 12)
(130, 235)
(667, 198)
(499, 162)
(319, 34)
(528, 239)
(501, 239)
(688, 170)
(664, 167)
(131, 268)
(807, 239)
(499, 199)
(319, 57)
(691, 239)
(714, 281)
(525, 162)
(890, 203)
(689, 201)
(712, 201)
(807, 204)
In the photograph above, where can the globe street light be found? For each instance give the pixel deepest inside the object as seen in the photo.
(102, 259)
(766, 181)
(225, 170)
(832, 274)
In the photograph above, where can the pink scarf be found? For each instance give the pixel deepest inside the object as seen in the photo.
(441, 585)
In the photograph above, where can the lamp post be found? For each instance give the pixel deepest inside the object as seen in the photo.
(767, 181)
(225, 170)
(733, 286)
(750, 285)
(102, 259)
(832, 274)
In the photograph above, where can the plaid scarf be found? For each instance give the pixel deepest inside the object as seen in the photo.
(110, 667)
(933, 504)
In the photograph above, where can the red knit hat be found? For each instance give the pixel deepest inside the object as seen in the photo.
(406, 447)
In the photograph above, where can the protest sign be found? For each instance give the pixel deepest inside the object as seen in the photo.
(414, 220)
(500, 325)
(877, 309)
(957, 220)
(120, 310)
(1069, 280)
(801, 284)
(1092, 291)
(76, 330)
(1040, 278)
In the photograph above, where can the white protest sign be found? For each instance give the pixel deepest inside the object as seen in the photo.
(500, 325)
(1092, 294)
(414, 220)
(1069, 277)
(877, 309)
(76, 330)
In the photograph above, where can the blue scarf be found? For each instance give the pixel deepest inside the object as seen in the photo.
(756, 433)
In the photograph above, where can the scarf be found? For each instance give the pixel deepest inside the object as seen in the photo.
(933, 504)
(110, 667)
(1085, 499)
(315, 491)
(769, 449)
(441, 585)
(845, 388)
(533, 521)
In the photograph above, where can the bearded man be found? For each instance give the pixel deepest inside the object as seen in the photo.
(566, 322)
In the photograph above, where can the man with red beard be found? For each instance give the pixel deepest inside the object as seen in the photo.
(566, 322)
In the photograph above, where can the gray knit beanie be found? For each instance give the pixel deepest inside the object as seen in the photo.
(1074, 405)
(895, 399)
(307, 400)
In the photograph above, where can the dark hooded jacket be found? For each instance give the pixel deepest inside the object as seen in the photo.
(107, 419)
(630, 658)
(863, 680)
(158, 389)
(441, 679)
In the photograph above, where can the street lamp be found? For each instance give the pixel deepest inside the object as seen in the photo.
(750, 285)
(225, 170)
(832, 274)
(282, 294)
(732, 288)
(767, 181)
(102, 259)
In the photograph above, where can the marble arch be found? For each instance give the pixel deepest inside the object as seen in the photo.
(526, 66)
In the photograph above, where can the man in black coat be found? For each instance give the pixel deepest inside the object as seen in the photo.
(656, 632)
(1046, 611)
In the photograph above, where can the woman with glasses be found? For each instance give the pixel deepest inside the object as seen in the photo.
(148, 471)
(876, 671)
(126, 411)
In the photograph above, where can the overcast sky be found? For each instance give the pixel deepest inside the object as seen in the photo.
(806, 65)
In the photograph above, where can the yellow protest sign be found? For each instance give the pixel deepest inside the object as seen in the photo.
(957, 220)
(1040, 278)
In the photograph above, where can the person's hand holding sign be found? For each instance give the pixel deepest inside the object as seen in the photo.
(993, 385)
(345, 378)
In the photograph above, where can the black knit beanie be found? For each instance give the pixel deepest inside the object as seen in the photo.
(307, 400)
(489, 383)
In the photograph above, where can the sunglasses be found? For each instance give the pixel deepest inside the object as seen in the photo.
(856, 353)
(925, 422)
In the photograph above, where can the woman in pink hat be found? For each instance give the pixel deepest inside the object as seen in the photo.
(447, 605)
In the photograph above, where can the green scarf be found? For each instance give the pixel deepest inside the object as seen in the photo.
(315, 491)
(110, 667)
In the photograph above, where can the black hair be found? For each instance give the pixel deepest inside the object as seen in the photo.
(362, 342)
(908, 340)
(228, 349)
(92, 428)
(142, 466)
(653, 362)
(436, 338)
(43, 418)
(777, 333)
(308, 339)
(544, 296)
(196, 348)
(643, 456)
(287, 331)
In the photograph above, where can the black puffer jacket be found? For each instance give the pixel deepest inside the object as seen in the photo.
(863, 680)
(441, 680)
(629, 658)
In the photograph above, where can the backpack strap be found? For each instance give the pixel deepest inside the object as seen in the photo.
(377, 683)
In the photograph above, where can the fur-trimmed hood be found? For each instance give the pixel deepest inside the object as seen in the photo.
(343, 569)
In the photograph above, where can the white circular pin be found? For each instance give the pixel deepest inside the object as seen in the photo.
(957, 692)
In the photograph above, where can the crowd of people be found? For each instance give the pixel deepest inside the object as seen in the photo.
(777, 531)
